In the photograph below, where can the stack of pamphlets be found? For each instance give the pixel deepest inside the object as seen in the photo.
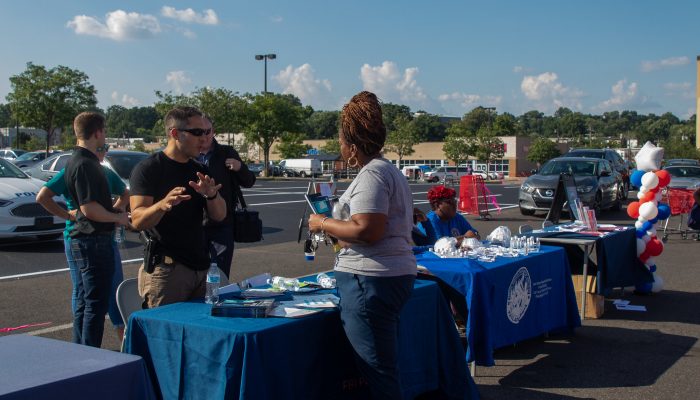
(246, 308)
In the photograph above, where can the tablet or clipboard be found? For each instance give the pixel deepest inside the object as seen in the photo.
(320, 204)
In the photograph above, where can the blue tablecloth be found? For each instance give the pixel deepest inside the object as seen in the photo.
(191, 354)
(510, 299)
(33, 367)
(617, 264)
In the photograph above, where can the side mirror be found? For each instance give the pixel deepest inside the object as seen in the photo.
(533, 171)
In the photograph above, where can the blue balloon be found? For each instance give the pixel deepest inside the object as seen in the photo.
(664, 211)
(647, 225)
(654, 221)
(652, 268)
(643, 287)
(636, 178)
(641, 233)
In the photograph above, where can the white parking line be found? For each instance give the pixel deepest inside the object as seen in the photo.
(53, 271)
(271, 194)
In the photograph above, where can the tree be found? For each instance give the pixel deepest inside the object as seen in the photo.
(49, 99)
(488, 146)
(457, 147)
(139, 146)
(541, 150)
(271, 115)
(5, 115)
(291, 145)
(429, 128)
(402, 140)
(332, 146)
(119, 123)
(392, 111)
(322, 124)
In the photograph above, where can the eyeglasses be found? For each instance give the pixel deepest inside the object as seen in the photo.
(195, 131)
(103, 149)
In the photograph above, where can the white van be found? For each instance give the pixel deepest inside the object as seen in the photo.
(303, 166)
(447, 172)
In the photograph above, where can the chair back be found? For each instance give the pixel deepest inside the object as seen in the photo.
(128, 298)
(525, 228)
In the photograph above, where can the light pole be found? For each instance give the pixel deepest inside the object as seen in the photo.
(265, 57)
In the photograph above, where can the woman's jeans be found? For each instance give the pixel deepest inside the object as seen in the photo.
(369, 310)
(94, 258)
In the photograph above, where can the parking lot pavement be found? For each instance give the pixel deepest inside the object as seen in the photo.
(644, 355)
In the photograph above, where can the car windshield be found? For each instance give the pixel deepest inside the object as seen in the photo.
(9, 170)
(589, 154)
(577, 168)
(684, 172)
(124, 163)
(28, 156)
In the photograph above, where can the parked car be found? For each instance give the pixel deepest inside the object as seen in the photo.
(615, 160)
(303, 166)
(30, 158)
(20, 214)
(598, 185)
(684, 176)
(256, 168)
(11, 154)
(415, 172)
(681, 161)
(46, 169)
(280, 170)
(447, 172)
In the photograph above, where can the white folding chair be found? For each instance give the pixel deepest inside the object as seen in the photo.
(525, 228)
(128, 300)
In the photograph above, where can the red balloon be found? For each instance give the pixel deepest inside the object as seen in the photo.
(664, 178)
(648, 196)
(633, 209)
(645, 254)
(654, 247)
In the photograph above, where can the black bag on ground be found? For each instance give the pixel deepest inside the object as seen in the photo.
(247, 223)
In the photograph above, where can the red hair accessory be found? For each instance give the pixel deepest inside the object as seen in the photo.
(437, 193)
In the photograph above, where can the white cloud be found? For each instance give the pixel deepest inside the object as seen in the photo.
(276, 19)
(518, 68)
(649, 66)
(118, 25)
(303, 83)
(390, 84)
(622, 95)
(125, 100)
(207, 17)
(459, 103)
(547, 93)
(189, 34)
(683, 90)
(177, 80)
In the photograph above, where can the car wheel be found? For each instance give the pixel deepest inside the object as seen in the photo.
(525, 211)
(598, 203)
(285, 174)
(617, 205)
(625, 191)
(302, 174)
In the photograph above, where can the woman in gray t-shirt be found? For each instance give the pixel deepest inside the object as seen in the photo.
(376, 268)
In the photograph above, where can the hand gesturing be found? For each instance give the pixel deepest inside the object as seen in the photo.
(205, 185)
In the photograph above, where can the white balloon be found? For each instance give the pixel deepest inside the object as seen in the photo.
(658, 284)
(649, 157)
(643, 190)
(640, 194)
(652, 232)
(650, 180)
(646, 238)
(638, 224)
(659, 196)
(648, 210)
(641, 245)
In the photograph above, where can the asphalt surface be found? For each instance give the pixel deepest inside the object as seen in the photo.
(625, 354)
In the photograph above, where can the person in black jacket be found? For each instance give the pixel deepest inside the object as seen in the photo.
(227, 168)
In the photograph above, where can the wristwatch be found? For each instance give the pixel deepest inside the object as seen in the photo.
(211, 197)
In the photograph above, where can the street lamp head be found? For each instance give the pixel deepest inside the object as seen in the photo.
(271, 56)
(259, 57)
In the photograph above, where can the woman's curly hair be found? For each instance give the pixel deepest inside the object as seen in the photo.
(440, 192)
(361, 123)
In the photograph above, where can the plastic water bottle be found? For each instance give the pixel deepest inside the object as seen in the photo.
(325, 281)
(282, 283)
(213, 280)
(120, 235)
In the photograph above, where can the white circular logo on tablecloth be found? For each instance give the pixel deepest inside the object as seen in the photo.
(519, 294)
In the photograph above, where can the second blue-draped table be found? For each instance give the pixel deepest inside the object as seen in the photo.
(509, 299)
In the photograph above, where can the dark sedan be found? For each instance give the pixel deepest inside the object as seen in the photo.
(597, 184)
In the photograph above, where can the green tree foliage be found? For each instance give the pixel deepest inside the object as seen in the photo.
(541, 150)
(505, 125)
(291, 145)
(130, 122)
(227, 109)
(458, 144)
(33, 144)
(270, 116)
(322, 124)
(531, 123)
(402, 139)
(50, 98)
(487, 146)
(332, 146)
(429, 128)
(392, 111)
(5, 115)
(139, 146)
(68, 140)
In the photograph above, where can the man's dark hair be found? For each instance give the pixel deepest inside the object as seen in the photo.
(178, 116)
(87, 123)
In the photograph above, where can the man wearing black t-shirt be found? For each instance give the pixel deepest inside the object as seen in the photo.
(169, 194)
(91, 237)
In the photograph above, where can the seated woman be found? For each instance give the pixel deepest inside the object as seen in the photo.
(444, 219)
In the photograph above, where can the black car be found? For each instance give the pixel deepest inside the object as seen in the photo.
(615, 160)
(30, 158)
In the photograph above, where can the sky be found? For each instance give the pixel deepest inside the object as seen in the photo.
(443, 57)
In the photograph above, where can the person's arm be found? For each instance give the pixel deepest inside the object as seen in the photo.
(243, 176)
(122, 200)
(45, 198)
(95, 212)
(361, 228)
(146, 214)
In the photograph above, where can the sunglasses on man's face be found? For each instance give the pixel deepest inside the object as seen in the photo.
(103, 149)
(195, 131)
